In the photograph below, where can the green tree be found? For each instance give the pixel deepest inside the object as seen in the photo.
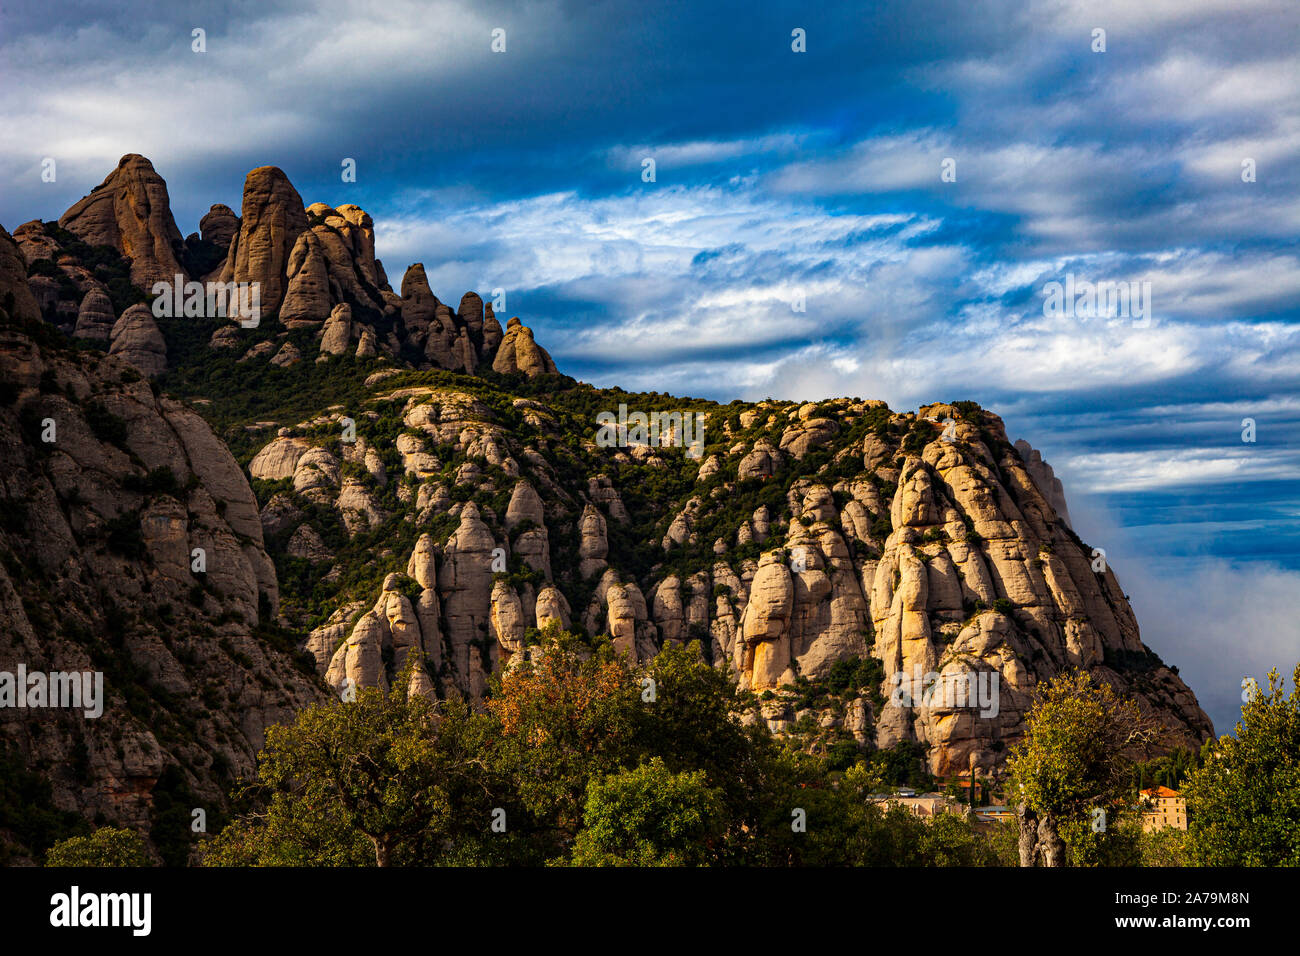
(1167, 771)
(1003, 839)
(107, 846)
(650, 816)
(1073, 769)
(388, 773)
(561, 722)
(1119, 844)
(1243, 803)
(950, 839)
(844, 826)
(1166, 846)
(694, 722)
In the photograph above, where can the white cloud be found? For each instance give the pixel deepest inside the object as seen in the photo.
(1217, 619)
(286, 78)
(1070, 16)
(1166, 468)
(669, 156)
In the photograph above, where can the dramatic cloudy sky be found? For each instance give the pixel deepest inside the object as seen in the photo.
(783, 174)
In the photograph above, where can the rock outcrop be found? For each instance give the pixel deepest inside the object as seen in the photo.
(944, 561)
(465, 586)
(331, 263)
(810, 537)
(95, 319)
(135, 339)
(131, 212)
(1048, 484)
(763, 461)
(593, 546)
(337, 336)
(132, 547)
(519, 353)
(219, 225)
(16, 297)
(765, 625)
(273, 218)
(312, 268)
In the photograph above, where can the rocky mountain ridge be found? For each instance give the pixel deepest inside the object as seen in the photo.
(926, 555)
(391, 477)
(112, 497)
(314, 266)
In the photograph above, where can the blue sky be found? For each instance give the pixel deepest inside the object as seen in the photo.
(780, 174)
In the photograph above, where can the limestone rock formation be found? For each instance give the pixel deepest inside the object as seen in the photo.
(519, 353)
(337, 337)
(219, 225)
(35, 242)
(526, 520)
(103, 574)
(508, 621)
(552, 608)
(367, 346)
(465, 586)
(273, 218)
(331, 263)
(594, 544)
(279, 459)
(95, 319)
(765, 624)
(525, 505)
(626, 621)
(1048, 484)
(811, 535)
(15, 295)
(762, 462)
(807, 433)
(943, 559)
(310, 292)
(667, 610)
(131, 212)
(136, 339)
(492, 334)
(601, 490)
(419, 304)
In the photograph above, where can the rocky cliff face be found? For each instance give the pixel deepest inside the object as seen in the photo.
(273, 219)
(1045, 479)
(131, 212)
(428, 484)
(16, 296)
(131, 545)
(314, 266)
(870, 536)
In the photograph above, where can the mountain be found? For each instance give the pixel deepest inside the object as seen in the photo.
(108, 489)
(375, 474)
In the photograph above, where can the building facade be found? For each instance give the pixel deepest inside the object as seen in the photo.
(1162, 807)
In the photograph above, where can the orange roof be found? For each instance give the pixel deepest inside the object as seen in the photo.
(1160, 792)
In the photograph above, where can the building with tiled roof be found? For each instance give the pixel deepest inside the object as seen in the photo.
(1162, 807)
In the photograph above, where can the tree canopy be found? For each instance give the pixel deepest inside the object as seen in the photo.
(107, 846)
(577, 757)
(1071, 774)
(1243, 803)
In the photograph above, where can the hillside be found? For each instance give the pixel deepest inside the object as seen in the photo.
(395, 476)
(97, 554)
